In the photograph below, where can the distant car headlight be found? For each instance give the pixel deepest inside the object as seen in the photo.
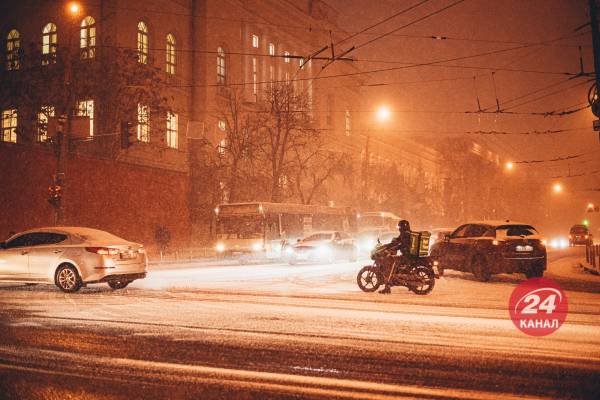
(220, 247)
(367, 244)
(257, 246)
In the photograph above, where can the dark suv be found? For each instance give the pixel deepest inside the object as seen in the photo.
(579, 234)
(492, 247)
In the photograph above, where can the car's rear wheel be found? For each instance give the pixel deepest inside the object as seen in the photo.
(67, 278)
(119, 284)
(480, 268)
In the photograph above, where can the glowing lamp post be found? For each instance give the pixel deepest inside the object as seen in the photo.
(557, 188)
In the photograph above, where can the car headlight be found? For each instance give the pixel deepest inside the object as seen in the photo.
(324, 250)
(257, 246)
(289, 250)
(220, 247)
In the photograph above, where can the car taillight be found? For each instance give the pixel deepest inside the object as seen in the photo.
(104, 251)
(495, 242)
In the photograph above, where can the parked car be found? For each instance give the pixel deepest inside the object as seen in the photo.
(326, 246)
(71, 257)
(579, 234)
(492, 247)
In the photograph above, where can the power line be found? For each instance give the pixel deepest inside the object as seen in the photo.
(409, 24)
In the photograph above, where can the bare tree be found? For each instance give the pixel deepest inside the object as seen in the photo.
(237, 154)
(113, 78)
(286, 129)
(314, 168)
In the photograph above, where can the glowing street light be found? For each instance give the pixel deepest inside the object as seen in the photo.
(590, 205)
(74, 8)
(383, 114)
(557, 188)
(509, 165)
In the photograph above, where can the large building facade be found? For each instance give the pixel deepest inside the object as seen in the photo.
(88, 120)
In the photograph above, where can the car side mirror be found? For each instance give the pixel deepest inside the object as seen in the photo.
(447, 238)
(298, 240)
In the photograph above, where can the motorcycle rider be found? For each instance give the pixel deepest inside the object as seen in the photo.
(402, 243)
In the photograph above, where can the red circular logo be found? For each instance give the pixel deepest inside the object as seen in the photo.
(538, 306)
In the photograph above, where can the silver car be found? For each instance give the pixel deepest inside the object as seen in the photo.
(71, 257)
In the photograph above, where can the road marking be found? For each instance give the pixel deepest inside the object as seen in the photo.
(124, 369)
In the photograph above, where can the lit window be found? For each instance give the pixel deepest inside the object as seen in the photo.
(221, 66)
(271, 49)
(85, 108)
(13, 45)
(170, 54)
(172, 129)
(9, 126)
(221, 125)
(143, 123)
(286, 56)
(222, 147)
(254, 77)
(142, 43)
(348, 124)
(87, 38)
(49, 44)
(255, 41)
(46, 112)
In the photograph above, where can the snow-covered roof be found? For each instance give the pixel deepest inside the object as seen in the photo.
(497, 222)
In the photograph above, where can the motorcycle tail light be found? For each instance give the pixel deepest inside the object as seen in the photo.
(495, 242)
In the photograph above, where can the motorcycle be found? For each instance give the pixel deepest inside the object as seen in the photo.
(417, 275)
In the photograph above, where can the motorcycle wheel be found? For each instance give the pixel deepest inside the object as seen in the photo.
(369, 279)
(424, 280)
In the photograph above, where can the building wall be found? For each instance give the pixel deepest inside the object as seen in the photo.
(128, 200)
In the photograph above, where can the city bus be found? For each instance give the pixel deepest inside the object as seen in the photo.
(262, 229)
(375, 225)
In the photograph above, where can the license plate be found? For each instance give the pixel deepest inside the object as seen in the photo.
(128, 255)
(524, 248)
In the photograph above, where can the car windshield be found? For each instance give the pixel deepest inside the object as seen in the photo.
(515, 230)
(317, 237)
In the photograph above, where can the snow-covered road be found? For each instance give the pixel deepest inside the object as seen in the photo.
(307, 321)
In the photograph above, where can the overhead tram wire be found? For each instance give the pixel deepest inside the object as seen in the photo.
(310, 28)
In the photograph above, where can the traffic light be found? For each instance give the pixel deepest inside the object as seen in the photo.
(128, 134)
(54, 194)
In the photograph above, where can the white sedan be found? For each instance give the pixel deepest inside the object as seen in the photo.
(71, 257)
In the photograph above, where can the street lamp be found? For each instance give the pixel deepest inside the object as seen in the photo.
(383, 114)
(74, 8)
(557, 187)
(509, 165)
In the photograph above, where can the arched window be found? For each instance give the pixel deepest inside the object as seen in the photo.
(13, 46)
(87, 38)
(170, 54)
(221, 66)
(142, 43)
(49, 39)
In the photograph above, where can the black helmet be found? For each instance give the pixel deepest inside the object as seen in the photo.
(403, 225)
